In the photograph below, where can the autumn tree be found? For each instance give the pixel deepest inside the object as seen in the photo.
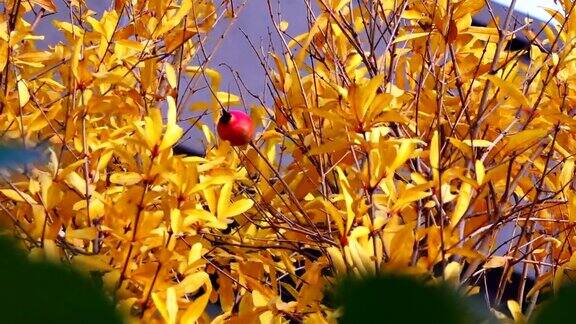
(399, 138)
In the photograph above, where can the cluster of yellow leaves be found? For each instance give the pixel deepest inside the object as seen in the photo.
(405, 144)
(113, 198)
(433, 144)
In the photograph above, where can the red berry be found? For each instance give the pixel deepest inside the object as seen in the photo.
(236, 127)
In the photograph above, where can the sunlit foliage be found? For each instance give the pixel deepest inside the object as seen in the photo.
(399, 138)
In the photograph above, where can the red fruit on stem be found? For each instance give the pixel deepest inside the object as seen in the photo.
(236, 127)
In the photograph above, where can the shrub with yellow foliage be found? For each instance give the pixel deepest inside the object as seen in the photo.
(400, 138)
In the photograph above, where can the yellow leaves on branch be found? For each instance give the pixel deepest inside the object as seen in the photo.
(45, 4)
(226, 209)
(169, 307)
(125, 178)
(407, 153)
(17, 195)
(172, 20)
(113, 197)
(151, 133)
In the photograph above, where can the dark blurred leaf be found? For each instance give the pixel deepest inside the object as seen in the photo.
(558, 308)
(39, 292)
(400, 299)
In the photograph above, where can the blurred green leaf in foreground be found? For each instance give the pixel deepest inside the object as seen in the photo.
(401, 299)
(557, 309)
(42, 292)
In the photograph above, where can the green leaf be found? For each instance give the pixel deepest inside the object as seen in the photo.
(401, 299)
(557, 308)
(42, 292)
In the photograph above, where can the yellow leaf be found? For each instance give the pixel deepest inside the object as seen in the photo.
(361, 258)
(196, 308)
(483, 33)
(179, 37)
(46, 4)
(558, 278)
(3, 53)
(363, 95)
(452, 273)
(160, 306)
(224, 200)
(412, 14)
(307, 38)
(23, 94)
(567, 175)
(464, 197)
(213, 75)
(52, 251)
(192, 283)
(171, 76)
(404, 152)
(477, 143)
(226, 293)
(347, 192)
(515, 310)
(227, 99)
(401, 246)
(87, 233)
(571, 198)
(480, 172)
(18, 195)
(238, 207)
(195, 253)
(75, 181)
(173, 131)
(110, 279)
(409, 196)
(148, 75)
(125, 178)
(169, 23)
(329, 147)
(193, 216)
(91, 263)
(339, 4)
(39, 214)
(128, 43)
(510, 88)
(495, 262)
(68, 28)
(225, 209)
(541, 282)
(76, 56)
(176, 220)
(525, 137)
(409, 36)
(465, 149)
(337, 259)
(171, 305)
(335, 216)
